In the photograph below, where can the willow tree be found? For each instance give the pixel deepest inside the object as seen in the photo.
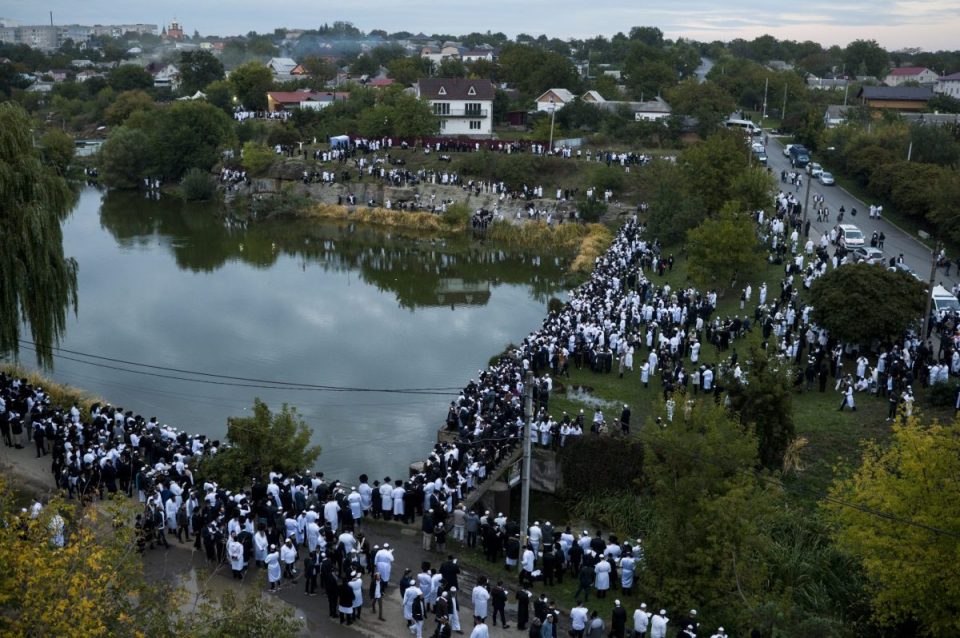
(37, 283)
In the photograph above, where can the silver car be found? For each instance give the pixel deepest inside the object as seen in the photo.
(868, 255)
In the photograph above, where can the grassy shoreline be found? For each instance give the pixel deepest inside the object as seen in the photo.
(585, 241)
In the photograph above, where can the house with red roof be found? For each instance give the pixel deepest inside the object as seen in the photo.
(904, 74)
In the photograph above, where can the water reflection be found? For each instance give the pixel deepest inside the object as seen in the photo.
(173, 285)
(421, 273)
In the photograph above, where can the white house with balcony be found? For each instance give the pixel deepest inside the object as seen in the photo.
(464, 106)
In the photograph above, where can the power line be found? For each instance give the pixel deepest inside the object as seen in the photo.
(235, 378)
(261, 385)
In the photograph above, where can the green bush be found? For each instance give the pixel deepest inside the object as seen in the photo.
(457, 216)
(944, 394)
(197, 186)
(257, 158)
(591, 210)
(585, 474)
(617, 511)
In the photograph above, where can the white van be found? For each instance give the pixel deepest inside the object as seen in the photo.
(944, 301)
(744, 125)
(851, 235)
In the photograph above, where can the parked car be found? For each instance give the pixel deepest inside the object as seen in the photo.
(944, 301)
(757, 147)
(786, 149)
(851, 236)
(867, 254)
(761, 157)
(827, 179)
(814, 169)
(902, 267)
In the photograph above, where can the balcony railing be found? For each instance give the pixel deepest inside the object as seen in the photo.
(479, 113)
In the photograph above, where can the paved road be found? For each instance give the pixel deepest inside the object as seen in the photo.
(915, 253)
(182, 565)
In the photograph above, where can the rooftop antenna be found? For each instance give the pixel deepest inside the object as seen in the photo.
(51, 18)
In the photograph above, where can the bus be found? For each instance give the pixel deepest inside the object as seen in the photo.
(744, 125)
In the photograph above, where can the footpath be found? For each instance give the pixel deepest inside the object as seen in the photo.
(182, 564)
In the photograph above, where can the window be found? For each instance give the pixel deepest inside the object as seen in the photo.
(475, 125)
(472, 108)
(443, 125)
(441, 108)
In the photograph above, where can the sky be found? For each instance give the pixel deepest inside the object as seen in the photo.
(895, 24)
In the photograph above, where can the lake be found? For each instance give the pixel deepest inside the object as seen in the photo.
(175, 286)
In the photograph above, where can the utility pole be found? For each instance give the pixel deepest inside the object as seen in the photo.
(806, 203)
(763, 118)
(553, 115)
(924, 327)
(783, 113)
(525, 480)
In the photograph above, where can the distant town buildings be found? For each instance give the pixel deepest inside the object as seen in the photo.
(48, 37)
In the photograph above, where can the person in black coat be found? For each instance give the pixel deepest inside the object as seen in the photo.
(329, 582)
(523, 608)
(345, 599)
(618, 621)
(498, 598)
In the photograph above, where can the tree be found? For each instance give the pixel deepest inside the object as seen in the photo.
(451, 68)
(713, 166)
(365, 64)
(57, 149)
(37, 283)
(706, 101)
(406, 70)
(251, 82)
(83, 587)
(220, 94)
(126, 104)
(123, 159)
(319, 69)
(899, 499)
(197, 70)
(943, 211)
(189, 135)
(763, 400)
(674, 208)
(257, 158)
(128, 77)
(261, 443)
(708, 538)
(846, 299)
(651, 36)
(606, 86)
(866, 57)
(943, 103)
(723, 249)
(752, 189)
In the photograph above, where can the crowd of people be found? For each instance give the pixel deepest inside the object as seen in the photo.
(311, 526)
(307, 524)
